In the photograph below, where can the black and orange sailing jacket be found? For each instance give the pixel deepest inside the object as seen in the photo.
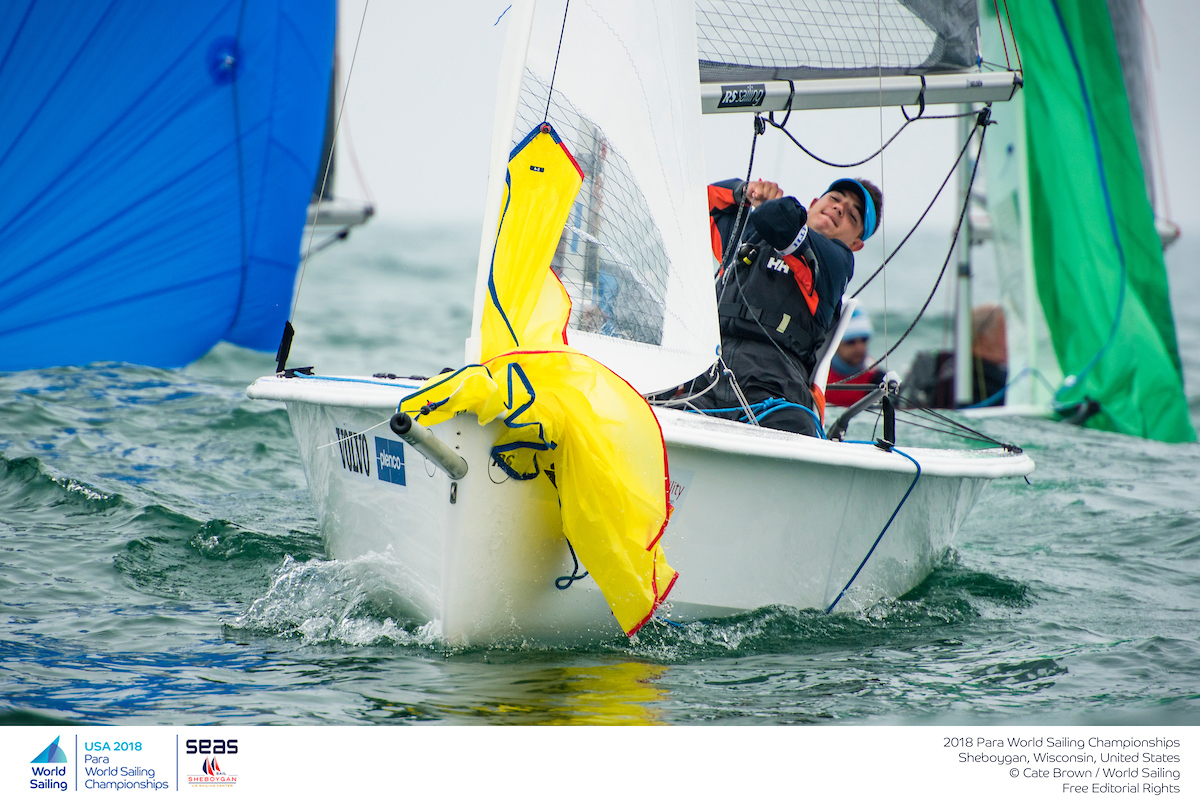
(791, 290)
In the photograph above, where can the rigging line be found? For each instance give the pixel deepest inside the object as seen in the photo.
(684, 399)
(1000, 25)
(886, 525)
(554, 73)
(1013, 34)
(828, 163)
(908, 120)
(1160, 160)
(355, 434)
(329, 163)
(332, 239)
(353, 154)
(729, 255)
(945, 264)
(949, 175)
(882, 183)
(957, 434)
(914, 408)
(952, 433)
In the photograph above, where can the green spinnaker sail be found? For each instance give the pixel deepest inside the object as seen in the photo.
(1097, 259)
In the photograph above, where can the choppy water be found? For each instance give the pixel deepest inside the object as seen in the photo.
(160, 562)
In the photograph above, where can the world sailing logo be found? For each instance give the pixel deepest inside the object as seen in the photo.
(42, 777)
(211, 775)
(52, 753)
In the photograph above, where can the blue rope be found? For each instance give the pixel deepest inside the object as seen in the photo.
(764, 408)
(565, 582)
(771, 404)
(863, 564)
(1032, 371)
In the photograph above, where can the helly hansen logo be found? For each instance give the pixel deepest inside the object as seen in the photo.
(776, 263)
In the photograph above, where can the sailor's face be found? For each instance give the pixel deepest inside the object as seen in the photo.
(837, 215)
(853, 351)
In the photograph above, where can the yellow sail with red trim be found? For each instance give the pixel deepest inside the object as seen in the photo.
(561, 407)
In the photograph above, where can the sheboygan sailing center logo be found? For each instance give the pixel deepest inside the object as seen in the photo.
(45, 777)
(211, 775)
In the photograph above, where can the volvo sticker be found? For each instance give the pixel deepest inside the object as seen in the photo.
(356, 454)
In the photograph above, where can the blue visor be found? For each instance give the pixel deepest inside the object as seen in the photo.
(868, 203)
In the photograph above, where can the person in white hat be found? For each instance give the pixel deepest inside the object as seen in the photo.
(851, 358)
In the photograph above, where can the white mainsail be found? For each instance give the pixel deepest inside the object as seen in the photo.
(635, 253)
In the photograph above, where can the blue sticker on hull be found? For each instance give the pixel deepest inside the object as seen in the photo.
(389, 457)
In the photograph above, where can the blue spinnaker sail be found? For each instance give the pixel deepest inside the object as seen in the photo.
(156, 163)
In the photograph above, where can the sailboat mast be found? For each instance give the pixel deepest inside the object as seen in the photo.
(962, 305)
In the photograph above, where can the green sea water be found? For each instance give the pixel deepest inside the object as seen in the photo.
(160, 561)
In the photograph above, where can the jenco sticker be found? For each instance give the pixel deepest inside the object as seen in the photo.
(745, 95)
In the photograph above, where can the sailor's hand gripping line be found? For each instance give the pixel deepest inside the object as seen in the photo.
(558, 405)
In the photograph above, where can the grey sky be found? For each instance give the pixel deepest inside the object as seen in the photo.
(420, 104)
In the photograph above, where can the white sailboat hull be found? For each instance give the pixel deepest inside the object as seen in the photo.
(761, 517)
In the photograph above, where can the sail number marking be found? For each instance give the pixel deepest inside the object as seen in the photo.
(746, 95)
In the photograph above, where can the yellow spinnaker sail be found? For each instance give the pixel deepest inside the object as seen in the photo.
(561, 407)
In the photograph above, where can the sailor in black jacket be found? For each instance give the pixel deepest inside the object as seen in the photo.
(779, 291)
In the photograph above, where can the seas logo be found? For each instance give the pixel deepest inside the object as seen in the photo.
(210, 774)
(44, 778)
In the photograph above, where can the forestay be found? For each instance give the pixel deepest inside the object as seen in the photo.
(632, 255)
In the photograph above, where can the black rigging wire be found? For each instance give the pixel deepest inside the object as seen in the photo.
(921, 115)
(921, 219)
(735, 235)
(328, 164)
(557, 53)
(984, 120)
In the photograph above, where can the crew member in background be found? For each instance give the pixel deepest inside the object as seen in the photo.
(779, 291)
(850, 359)
(930, 381)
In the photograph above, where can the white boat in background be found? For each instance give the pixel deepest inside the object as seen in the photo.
(761, 517)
